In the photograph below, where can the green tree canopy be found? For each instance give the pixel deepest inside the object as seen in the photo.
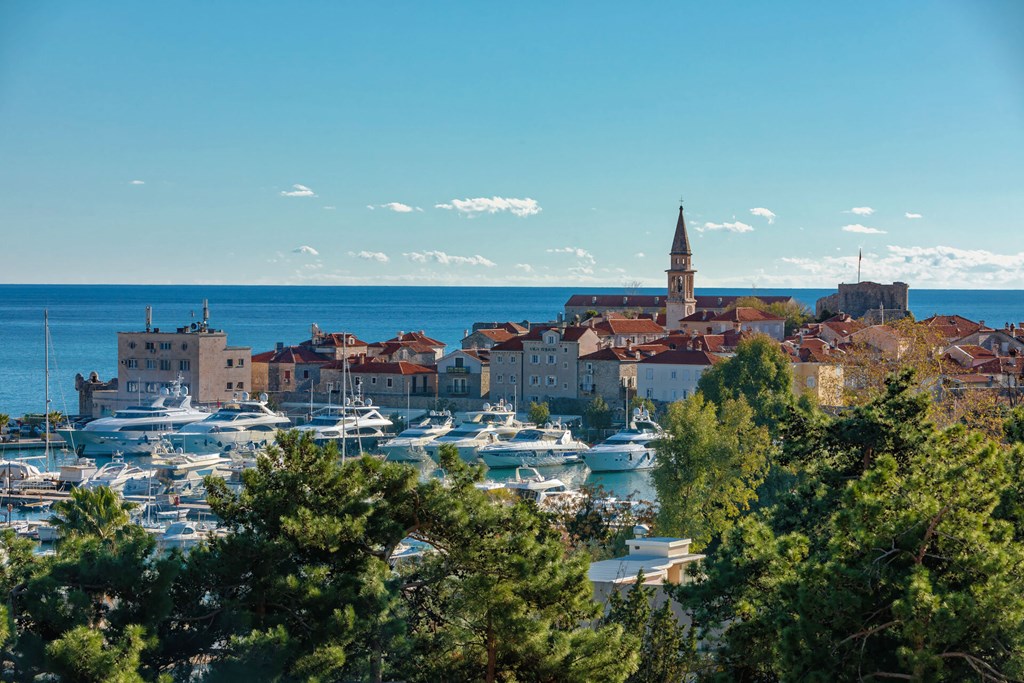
(538, 413)
(759, 372)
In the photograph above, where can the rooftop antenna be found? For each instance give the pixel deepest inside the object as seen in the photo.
(206, 312)
(860, 257)
(149, 317)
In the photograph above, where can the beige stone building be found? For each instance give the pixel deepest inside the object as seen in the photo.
(506, 381)
(151, 360)
(550, 361)
(609, 373)
(464, 373)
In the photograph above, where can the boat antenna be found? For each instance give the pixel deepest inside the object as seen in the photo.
(46, 382)
(344, 388)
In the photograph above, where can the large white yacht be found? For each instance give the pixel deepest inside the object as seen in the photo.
(627, 449)
(501, 416)
(529, 484)
(537, 447)
(136, 430)
(496, 422)
(359, 424)
(241, 423)
(123, 477)
(411, 443)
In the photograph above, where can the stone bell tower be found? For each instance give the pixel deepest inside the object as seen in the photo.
(681, 302)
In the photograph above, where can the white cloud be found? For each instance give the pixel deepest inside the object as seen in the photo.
(639, 254)
(525, 267)
(306, 249)
(397, 207)
(579, 253)
(913, 215)
(330, 208)
(371, 207)
(920, 266)
(481, 205)
(298, 191)
(137, 182)
(378, 256)
(861, 210)
(862, 229)
(729, 227)
(448, 259)
(764, 213)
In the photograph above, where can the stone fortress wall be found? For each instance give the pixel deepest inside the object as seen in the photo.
(868, 300)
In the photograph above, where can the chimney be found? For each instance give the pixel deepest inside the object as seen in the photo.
(206, 311)
(279, 346)
(149, 317)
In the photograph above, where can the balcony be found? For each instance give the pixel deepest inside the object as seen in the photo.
(452, 370)
(457, 390)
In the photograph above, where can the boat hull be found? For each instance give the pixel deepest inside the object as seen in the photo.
(408, 452)
(467, 452)
(620, 460)
(544, 458)
(89, 443)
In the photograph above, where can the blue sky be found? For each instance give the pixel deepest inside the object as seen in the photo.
(512, 143)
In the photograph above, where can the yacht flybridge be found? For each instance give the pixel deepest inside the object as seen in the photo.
(240, 423)
(496, 422)
(628, 449)
(136, 430)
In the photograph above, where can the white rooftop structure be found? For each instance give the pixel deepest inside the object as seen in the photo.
(662, 560)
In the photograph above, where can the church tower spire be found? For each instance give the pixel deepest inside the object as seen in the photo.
(681, 302)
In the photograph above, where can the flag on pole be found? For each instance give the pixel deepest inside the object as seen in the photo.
(860, 257)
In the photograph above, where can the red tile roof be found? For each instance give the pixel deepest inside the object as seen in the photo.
(335, 339)
(628, 326)
(513, 344)
(497, 334)
(291, 355)
(744, 314)
(417, 337)
(391, 368)
(658, 301)
(844, 328)
(616, 353)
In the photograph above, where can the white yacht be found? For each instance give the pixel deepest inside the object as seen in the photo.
(124, 478)
(184, 535)
(549, 445)
(178, 465)
(241, 423)
(529, 484)
(627, 449)
(136, 430)
(468, 438)
(411, 443)
(360, 424)
(18, 470)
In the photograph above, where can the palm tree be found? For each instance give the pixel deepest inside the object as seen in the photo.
(98, 513)
(5, 420)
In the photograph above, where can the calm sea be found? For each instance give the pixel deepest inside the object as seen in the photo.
(84, 320)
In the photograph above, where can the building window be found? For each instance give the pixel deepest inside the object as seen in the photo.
(229, 386)
(152, 387)
(565, 366)
(131, 363)
(565, 385)
(389, 383)
(535, 359)
(131, 345)
(230, 362)
(373, 380)
(241, 362)
(498, 379)
(534, 380)
(511, 359)
(460, 362)
(673, 377)
(184, 365)
(165, 365)
(551, 381)
(551, 359)
(240, 385)
(151, 365)
(165, 346)
(305, 374)
(133, 387)
(590, 367)
(150, 346)
(501, 359)
(511, 379)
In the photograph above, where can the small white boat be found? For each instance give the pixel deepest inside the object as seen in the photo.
(18, 470)
(178, 465)
(411, 444)
(243, 422)
(551, 445)
(627, 449)
(184, 535)
(123, 477)
(136, 430)
(78, 472)
(529, 484)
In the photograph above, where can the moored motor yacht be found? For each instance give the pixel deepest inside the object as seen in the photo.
(136, 430)
(358, 423)
(184, 535)
(411, 443)
(240, 423)
(468, 438)
(501, 416)
(549, 445)
(529, 484)
(627, 449)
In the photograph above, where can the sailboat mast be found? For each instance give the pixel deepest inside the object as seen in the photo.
(46, 383)
(344, 390)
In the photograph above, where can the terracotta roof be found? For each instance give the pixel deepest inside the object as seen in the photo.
(628, 326)
(657, 301)
(844, 328)
(951, 326)
(391, 368)
(391, 347)
(616, 353)
(570, 333)
(417, 337)
(513, 344)
(291, 354)
(698, 317)
(335, 339)
(497, 335)
(483, 355)
(744, 314)
(975, 351)
(681, 357)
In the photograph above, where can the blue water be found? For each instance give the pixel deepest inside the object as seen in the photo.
(84, 320)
